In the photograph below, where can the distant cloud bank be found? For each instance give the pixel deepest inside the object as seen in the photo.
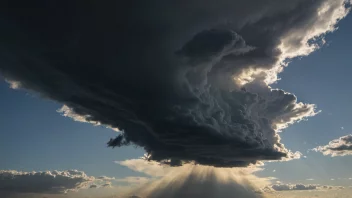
(53, 182)
(294, 187)
(50, 182)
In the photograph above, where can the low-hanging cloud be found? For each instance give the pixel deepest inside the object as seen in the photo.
(48, 182)
(59, 184)
(338, 147)
(188, 82)
(302, 187)
(284, 187)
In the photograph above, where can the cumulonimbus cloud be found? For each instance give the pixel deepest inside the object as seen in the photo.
(186, 82)
(47, 182)
(338, 147)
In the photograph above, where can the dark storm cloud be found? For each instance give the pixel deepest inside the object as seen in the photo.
(49, 182)
(337, 147)
(185, 80)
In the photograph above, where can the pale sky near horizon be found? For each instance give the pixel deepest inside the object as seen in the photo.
(35, 137)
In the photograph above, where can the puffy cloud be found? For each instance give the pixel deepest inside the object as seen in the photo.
(283, 187)
(290, 187)
(59, 184)
(49, 182)
(337, 147)
(304, 187)
(186, 82)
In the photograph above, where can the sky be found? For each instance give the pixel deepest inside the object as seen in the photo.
(65, 93)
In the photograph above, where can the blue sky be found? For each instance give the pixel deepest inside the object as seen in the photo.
(322, 78)
(35, 137)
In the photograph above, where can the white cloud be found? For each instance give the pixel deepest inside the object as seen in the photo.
(68, 112)
(299, 187)
(63, 184)
(14, 84)
(338, 147)
(50, 182)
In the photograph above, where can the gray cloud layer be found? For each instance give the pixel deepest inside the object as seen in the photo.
(290, 187)
(283, 187)
(337, 147)
(49, 182)
(185, 81)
